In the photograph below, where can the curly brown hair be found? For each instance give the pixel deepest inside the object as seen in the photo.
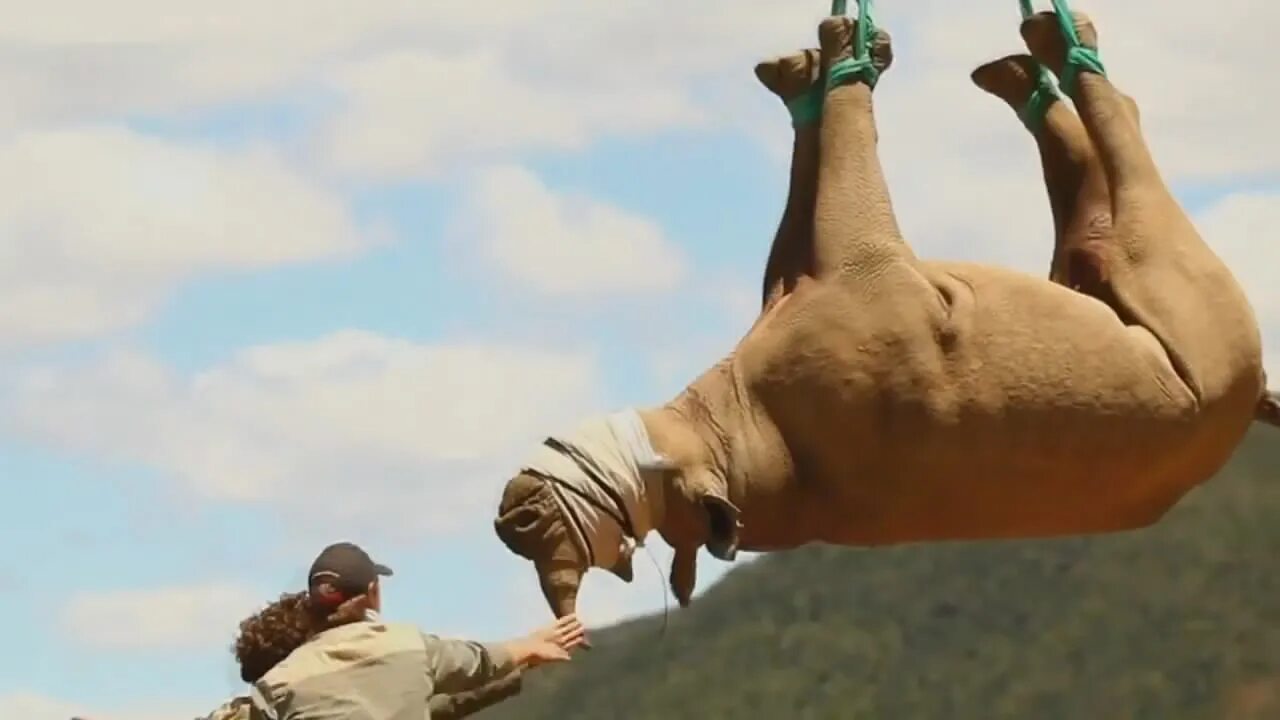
(269, 635)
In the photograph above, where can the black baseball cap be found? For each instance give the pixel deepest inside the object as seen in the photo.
(342, 571)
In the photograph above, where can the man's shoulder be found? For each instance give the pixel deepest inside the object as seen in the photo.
(237, 708)
(382, 633)
(335, 649)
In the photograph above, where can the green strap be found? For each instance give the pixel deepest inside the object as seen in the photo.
(806, 109)
(1079, 57)
(860, 66)
(1042, 98)
(1046, 92)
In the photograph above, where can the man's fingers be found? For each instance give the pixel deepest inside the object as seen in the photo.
(566, 627)
(574, 639)
(569, 634)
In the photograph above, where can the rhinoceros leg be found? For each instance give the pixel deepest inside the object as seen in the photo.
(1079, 197)
(855, 232)
(794, 79)
(1158, 271)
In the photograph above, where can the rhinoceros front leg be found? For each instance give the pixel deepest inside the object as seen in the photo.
(795, 80)
(855, 231)
(1160, 272)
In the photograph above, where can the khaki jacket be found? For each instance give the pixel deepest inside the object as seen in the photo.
(374, 670)
(443, 707)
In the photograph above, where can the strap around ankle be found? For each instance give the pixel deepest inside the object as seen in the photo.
(1079, 58)
(806, 109)
(860, 66)
(1037, 107)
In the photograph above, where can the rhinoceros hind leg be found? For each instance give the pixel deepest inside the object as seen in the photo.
(1162, 274)
(1079, 197)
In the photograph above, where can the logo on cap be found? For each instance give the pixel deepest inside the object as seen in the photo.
(326, 593)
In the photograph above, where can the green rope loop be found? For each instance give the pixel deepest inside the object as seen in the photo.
(1062, 11)
(1046, 92)
(1042, 98)
(1079, 58)
(860, 66)
(806, 109)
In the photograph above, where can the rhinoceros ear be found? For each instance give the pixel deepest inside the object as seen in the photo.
(722, 526)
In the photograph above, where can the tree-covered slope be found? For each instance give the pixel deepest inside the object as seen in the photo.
(1181, 620)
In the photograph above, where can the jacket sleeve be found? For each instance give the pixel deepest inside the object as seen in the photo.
(455, 666)
(260, 707)
(460, 705)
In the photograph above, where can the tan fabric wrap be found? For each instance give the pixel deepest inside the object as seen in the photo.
(619, 445)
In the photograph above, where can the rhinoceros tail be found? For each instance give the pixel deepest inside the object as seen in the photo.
(1268, 410)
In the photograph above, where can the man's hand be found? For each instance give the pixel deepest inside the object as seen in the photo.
(566, 632)
(551, 643)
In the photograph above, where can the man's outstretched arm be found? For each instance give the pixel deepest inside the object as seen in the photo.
(456, 666)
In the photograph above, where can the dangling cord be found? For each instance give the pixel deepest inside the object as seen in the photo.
(666, 592)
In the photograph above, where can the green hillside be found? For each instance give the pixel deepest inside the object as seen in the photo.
(1177, 621)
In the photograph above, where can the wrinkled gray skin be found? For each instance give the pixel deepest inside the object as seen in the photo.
(882, 399)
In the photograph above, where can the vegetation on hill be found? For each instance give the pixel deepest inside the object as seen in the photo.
(1178, 621)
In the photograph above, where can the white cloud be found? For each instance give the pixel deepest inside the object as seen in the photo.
(352, 427)
(99, 224)
(410, 113)
(30, 706)
(150, 57)
(1208, 126)
(192, 617)
(36, 706)
(563, 244)
(419, 83)
(33, 706)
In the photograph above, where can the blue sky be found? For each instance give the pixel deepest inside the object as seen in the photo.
(288, 273)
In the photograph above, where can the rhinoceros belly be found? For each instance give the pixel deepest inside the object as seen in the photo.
(1013, 407)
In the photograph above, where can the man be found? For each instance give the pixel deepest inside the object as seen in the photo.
(272, 633)
(359, 667)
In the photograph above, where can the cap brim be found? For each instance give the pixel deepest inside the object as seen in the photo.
(382, 570)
